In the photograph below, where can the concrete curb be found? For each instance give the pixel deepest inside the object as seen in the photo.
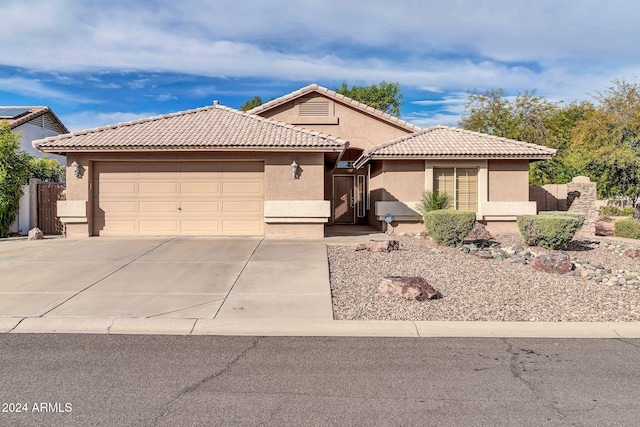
(324, 328)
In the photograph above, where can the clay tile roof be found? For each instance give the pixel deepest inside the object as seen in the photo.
(213, 127)
(444, 142)
(337, 97)
(32, 113)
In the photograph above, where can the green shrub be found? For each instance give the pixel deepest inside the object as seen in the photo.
(577, 215)
(548, 231)
(432, 201)
(628, 211)
(448, 227)
(629, 228)
(616, 211)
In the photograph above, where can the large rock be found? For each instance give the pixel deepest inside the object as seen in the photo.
(408, 288)
(556, 263)
(478, 232)
(35, 234)
(379, 246)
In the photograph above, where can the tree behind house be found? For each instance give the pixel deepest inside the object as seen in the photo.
(385, 96)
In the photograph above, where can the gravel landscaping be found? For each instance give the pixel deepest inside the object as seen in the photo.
(493, 289)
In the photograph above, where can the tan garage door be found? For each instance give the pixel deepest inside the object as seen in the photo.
(178, 198)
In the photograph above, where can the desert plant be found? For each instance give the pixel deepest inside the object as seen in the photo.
(548, 231)
(629, 228)
(432, 201)
(448, 227)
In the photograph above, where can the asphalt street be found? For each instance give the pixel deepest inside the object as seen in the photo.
(305, 381)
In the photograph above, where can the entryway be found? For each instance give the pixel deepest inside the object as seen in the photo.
(343, 199)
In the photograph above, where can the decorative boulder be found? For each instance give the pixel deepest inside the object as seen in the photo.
(35, 234)
(556, 263)
(408, 288)
(379, 246)
(478, 232)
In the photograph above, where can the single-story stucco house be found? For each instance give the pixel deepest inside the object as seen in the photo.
(286, 168)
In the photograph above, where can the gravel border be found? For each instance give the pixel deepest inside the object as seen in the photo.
(475, 289)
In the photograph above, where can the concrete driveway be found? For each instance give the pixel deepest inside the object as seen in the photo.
(165, 277)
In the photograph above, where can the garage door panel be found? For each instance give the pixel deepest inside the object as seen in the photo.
(152, 207)
(210, 198)
(249, 169)
(168, 226)
(159, 169)
(198, 188)
(116, 168)
(155, 188)
(114, 226)
(242, 189)
(117, 188)
(199, 207)
(208, 168)
(250, 208)
(201, 227)
(115, 207)
(240, 227)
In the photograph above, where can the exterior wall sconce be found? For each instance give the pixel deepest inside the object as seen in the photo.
(294, 170)
(76, 169)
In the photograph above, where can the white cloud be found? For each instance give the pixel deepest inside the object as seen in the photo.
(89, 119)
(35, 88)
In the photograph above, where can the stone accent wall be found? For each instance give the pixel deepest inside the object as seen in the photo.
(581, 197)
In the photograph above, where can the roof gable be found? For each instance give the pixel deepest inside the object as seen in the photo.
(345, 100)
(449, 142)
(213, 127)
(31, 113)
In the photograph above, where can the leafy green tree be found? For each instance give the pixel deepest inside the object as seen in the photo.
(46, 169)
(606, 144)
(14, 172)
(524, 118)
(530, 118)
(385, 96)
(252, 103)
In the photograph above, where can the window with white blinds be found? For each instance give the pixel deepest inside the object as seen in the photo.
(459, 183)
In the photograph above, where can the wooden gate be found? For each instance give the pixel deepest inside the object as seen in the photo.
(48, 194)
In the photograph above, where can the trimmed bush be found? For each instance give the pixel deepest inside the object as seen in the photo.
(578, 215)
(629, 228)
(616, 211)
(548, 231)
(448, 227)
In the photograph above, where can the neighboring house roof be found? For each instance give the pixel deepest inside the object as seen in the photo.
(212, 127)
(336, 97)
(17, 115)
(445, 142)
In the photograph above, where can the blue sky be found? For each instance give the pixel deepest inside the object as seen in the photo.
(97, 62)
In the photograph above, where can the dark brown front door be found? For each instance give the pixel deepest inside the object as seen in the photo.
(343, 203)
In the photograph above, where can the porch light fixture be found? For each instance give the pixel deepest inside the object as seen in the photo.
(294, 170)
(76, 169)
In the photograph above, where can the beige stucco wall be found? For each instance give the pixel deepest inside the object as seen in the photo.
(403, 182)
(508, 180)
(279, 182)
(360, 129)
